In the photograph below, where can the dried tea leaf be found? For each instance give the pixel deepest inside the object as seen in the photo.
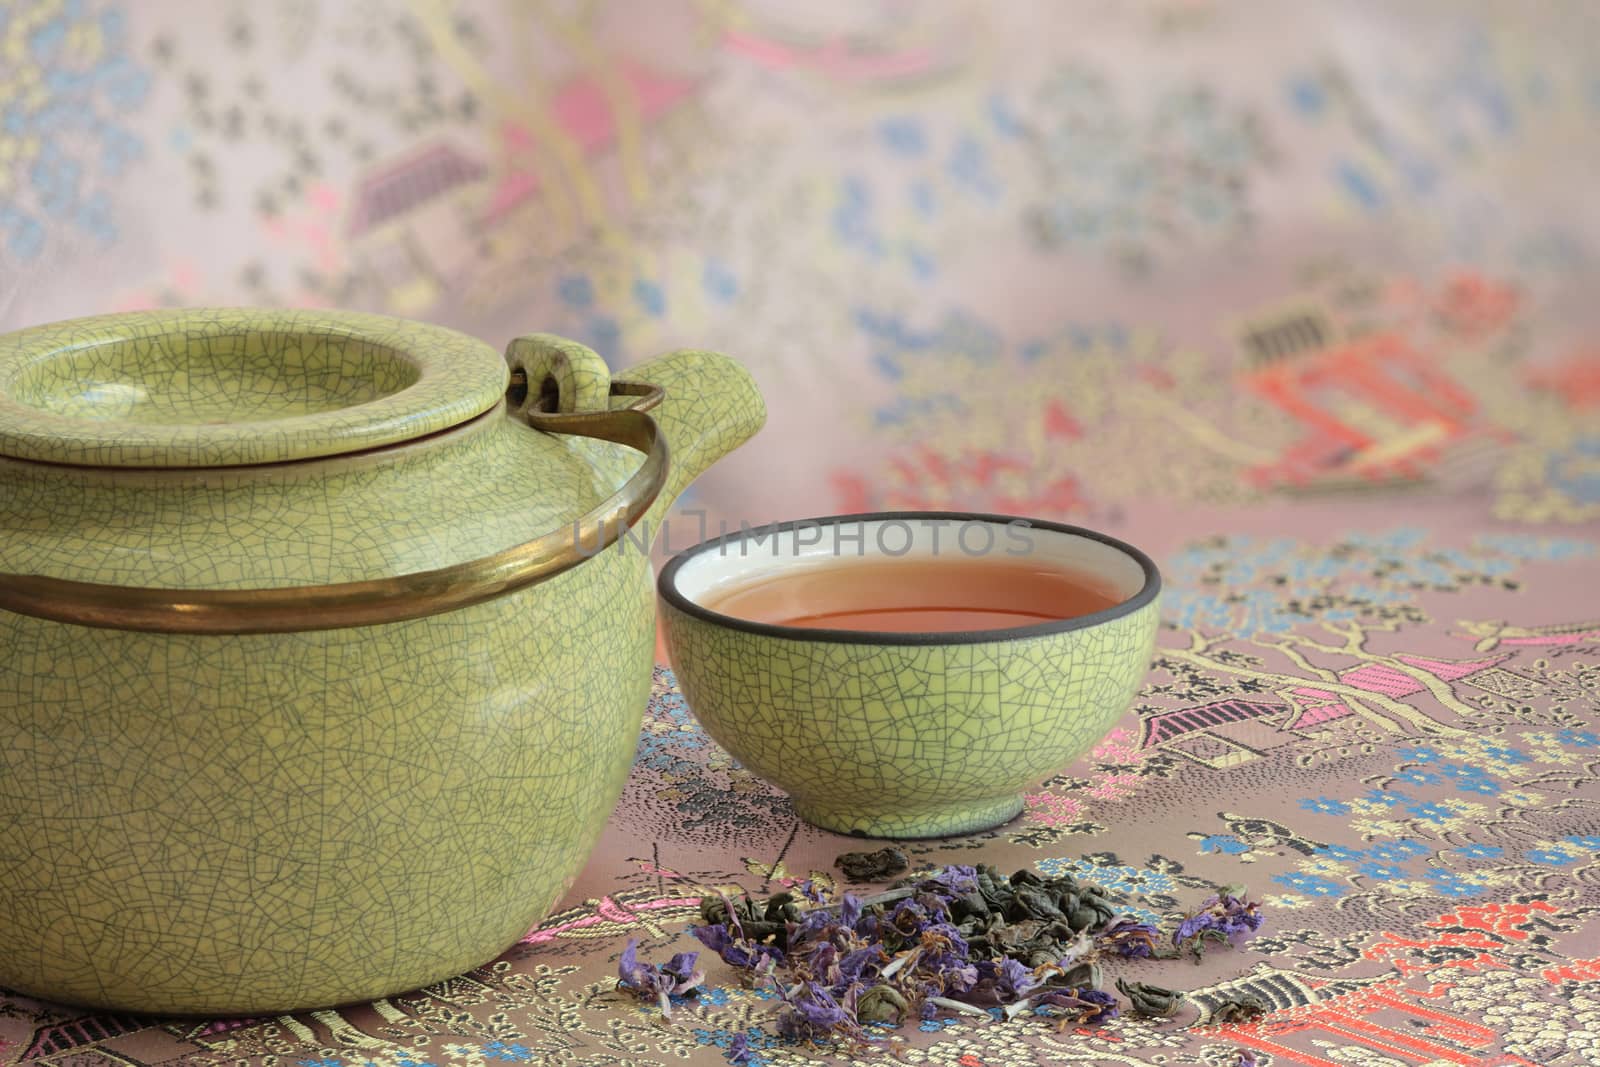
(882, 1004)
(1239, 1009)
(1151, 1000)
(952, 939)
(872, 866)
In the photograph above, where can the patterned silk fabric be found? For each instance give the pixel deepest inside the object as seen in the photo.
(1297, 297)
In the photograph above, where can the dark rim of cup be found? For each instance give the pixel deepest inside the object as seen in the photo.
(667, 586)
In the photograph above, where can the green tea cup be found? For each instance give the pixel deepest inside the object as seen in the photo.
(907, 734)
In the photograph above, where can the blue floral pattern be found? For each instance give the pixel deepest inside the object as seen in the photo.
(1416, 844)
(71, 86)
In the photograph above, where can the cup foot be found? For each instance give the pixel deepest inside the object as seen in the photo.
(951, 820)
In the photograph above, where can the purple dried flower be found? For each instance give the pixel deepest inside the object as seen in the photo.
(1245, 914)
(1193, 927)
(937, 906)
(908, 917)
(812, 926)
(1235, 915)
(818, 960)
(739, 1051)
(955, 880)
(848, 967)
(633, 974)
(735, 951)
(942, 949)
(812, 892)
(658, 982)
(946, 939)
(1089, 1006)
(1223, 917)
(681, 968)
(854, 965)
(1014, 979)
(714, 936)
(1247, 1059)
(814, 1013)
(1108, 1005)
(1003, 981)
(958, 978)
(1130, 938)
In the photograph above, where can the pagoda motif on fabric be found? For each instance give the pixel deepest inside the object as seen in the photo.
(1492, 635)
(1372, 409)
(1227, 733)
(1378, 1013)
(430, 220)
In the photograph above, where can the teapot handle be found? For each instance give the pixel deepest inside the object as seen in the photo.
(381, 600)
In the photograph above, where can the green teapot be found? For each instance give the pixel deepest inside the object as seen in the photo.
(324, 643)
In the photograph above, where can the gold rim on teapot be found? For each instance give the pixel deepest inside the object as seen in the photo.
(381, 600)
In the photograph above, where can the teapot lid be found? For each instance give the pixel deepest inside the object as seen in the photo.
(235, 387)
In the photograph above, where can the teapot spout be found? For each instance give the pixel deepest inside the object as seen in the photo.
(711, 407)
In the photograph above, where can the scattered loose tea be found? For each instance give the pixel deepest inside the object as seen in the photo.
(659, 982)
(745, 921)
(1151, 1000)
(1131, 939)
(872, 866)
(1226, 917)
(1076, 1007)
(952, 941)
(814, 1012)
(1239, 1009)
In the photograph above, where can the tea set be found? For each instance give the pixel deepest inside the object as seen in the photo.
(324, 650)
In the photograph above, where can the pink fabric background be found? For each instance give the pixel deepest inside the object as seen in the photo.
(1299, 297)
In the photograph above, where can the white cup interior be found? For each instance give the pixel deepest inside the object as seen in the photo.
(766, 553)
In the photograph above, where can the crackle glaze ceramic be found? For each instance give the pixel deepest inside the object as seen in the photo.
(258, 822)
(905, 735)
